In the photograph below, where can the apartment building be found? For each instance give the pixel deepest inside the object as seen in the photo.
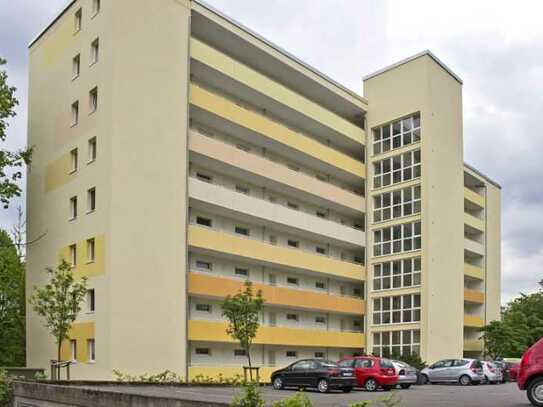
(178, 154)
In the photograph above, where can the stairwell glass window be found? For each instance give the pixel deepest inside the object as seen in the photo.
(397, 239)
(396, 204)
(396, 169)
(397, 274)
(93, 100)
(399, 133)
(399, 309)
(404, 342)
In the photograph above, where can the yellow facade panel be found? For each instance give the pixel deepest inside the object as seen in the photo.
(474, 271)
(474, 296)
(216, 241)
(227, 372)
(84, 267)
(473, 321)
(80, 332)
(474, 197)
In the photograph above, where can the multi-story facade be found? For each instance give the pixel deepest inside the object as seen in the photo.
(178, 154)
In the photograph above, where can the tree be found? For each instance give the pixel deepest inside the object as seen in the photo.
(11, 162)
(12, 304)
(243, 312)
(59, 301)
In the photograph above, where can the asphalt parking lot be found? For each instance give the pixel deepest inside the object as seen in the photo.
(419, 396)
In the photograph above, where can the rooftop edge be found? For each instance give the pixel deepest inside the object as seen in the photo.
(479, 173)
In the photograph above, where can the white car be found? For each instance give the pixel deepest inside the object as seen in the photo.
(493, 374)
(407, 375)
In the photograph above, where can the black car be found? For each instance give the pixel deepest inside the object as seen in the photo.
(321, 374)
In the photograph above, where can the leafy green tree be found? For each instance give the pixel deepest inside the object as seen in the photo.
(12, 304)
(59, 301)
(11, 162)
(243, 313)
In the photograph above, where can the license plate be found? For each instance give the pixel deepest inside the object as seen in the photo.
(347, 374)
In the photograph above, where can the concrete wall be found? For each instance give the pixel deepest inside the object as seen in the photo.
(493, 253)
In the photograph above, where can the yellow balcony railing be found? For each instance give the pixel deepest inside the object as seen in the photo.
(473, 321)
(474, 222)
(473, 345)
(474, 197)
(474, 271)
(211, 286)
(210, 331)
(213, 240)
(474, 296)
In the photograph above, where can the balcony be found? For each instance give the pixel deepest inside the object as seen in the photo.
(473, 345)
(262, 171)
(221, 71)
(218, 112)
(474, 197)
(216, 242)
(258, 210)
(219, 287)
(474, 222)
(474, 272)
(473, 321)
(208, 331)
(474, 246)
(474, 296)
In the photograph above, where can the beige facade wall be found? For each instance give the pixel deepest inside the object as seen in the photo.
(493, 253)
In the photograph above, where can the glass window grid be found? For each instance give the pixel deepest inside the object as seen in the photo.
(397, 204)
(404, 342)
(396, 169)
(398, 309)
(397, 239)
(397, 274)
(397, 134)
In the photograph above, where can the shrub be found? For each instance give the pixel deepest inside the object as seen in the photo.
(390, 400)
(252, 397)
(298, 400)
(5, 389)
(164, 377)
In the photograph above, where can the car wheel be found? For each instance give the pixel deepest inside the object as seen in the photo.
(347, 389)
(322, 385)
(424, 379)
(370, 385)
(485, 380)
(278, 383)
(388, 388)
(405, 386)
(464, 380)
(535, 392)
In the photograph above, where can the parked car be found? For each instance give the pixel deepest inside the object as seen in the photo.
(463, 371)
(530, 374)
(492, 373)
(323, 375)
(513, 369)
(371, 372)
(407, 375)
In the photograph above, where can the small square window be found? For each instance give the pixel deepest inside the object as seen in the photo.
(95, 51)
(292, 280)
(75, 113)
(204, 177)
(76, 66)
(92, 149)
(242, 231)
(204, 265)
(241, 272)
(320, 320)
(292, 354)
(78, 18)
(73, 350)
(321, 285)
(93, 100)
(73, 207)
(91, 300)
(293, 243)
(204, 221)
(95, 7)
(240, 352)
(74, 160)
(242, 190)
(73, 255)
(320, 250)
(91, 200)
(90, 250)
(319, 355)
(203, 351)
(292, 317)
(203, 307)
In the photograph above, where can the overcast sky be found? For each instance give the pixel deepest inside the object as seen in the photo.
(495, 47)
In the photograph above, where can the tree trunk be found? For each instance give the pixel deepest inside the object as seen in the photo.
(58, 350)
(249, 360)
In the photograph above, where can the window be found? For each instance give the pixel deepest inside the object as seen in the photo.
(396, 310)
(73, 350)
(396, 134)
(393, 170)
(320, 250)
(93, 100)
(292, 354)
(397, 274)
(319, 355)
(90, 300)
(90, 250)
(91, 200)
(241, 272)
(73, 255)
(242, 231)
(403, 342)
(321, 214)
(272, 319)
(273, 239)
(75, 113)
(204, 221)
(292, 280)
(321, 285)
(358, 260)
(204, 177)
(357, 325)
(243, 148)
(293, 167)
(91, 350)
(74, 160)
(203, 308)
(395, 204)
(95, 51)
(242, 190)
(203, 351)
(292, 317)
(95, 7)
(73, 207)
(320, 320)
(92, 149)
(78, 18)
(357, 292)
(397, 239)
(240, 352)
(76, 66)
(272, 279)
(204, 265)
(292, 205)
(293, 243)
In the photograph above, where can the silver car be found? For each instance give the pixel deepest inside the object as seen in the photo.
(492, 373)
(407, 375)
(463, 371)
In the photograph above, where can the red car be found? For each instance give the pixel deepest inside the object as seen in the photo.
(372, 372)
(530, 374)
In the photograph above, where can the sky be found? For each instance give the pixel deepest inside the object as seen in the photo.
(496, 47)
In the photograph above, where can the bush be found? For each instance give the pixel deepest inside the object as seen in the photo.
(164, 377)
(252, 397)
(390, 400)
(298, 400)
(5, 389)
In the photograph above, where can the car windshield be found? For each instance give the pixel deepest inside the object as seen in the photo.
(346, 363)
(385, 363)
